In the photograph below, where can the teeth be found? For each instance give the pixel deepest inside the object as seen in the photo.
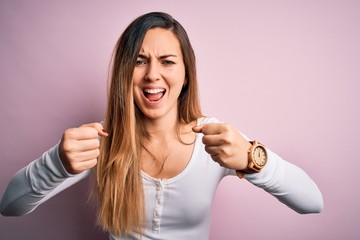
(154, 90)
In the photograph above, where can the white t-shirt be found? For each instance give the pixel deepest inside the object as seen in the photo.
(176, 208)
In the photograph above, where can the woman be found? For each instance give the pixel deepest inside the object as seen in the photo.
(159, 161)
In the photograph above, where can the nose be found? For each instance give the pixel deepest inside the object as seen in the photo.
(153, 72)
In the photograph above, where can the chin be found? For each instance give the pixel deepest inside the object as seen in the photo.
(157, 114)
(153, 115)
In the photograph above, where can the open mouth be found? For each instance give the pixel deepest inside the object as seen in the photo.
(154, 94)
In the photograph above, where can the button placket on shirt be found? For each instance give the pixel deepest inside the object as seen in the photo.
(158, 206)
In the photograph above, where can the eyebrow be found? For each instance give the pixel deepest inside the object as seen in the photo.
(161, 57)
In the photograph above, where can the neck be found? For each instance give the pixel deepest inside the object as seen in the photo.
(161, 128)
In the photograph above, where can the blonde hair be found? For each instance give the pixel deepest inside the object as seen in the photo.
(118, 172)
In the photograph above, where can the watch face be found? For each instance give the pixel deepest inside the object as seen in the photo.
(260, 156)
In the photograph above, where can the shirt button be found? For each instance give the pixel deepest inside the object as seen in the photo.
(156, 213)
(158, 201)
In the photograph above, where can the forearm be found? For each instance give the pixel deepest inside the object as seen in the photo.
(36, 183)
(289, 184)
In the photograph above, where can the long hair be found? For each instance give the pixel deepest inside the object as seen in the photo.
(118, 172)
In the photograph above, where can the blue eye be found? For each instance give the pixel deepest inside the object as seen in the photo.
(168, 63)
(140, 62)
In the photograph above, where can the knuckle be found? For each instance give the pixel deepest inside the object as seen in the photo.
(98, 125)
(93, 132)
(226, 127)
(67, 146)
(226, 151)
(72, 158)
(69, 133)
(97, 152)
(88, 130)
(98, 143)
(226, 140)
(224, 161)
(94, 162)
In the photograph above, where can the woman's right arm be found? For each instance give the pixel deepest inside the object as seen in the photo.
(36, 183)
(57, 169)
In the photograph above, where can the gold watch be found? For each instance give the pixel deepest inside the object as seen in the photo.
(257, 158)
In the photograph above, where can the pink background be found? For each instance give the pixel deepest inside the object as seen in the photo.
(284, 72)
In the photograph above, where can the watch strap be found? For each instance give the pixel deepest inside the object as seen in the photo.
(251, 168)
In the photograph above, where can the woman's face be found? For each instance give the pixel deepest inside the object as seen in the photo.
(159, 74)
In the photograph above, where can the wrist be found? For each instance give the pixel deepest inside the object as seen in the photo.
(256, 159)
(60, 163)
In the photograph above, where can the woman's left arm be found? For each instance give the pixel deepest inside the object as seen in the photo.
(287, 182)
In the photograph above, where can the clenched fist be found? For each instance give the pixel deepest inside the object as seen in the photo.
(225, 145)
(79, 147)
